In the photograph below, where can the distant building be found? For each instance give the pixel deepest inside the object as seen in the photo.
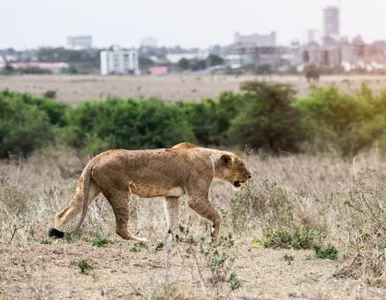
(327, 55)
(9, 55)
(256, 49)
(233, 60)
(355, 51)
(149, 41)
(256, 40)
(331, 22)
(119, 61)
(79, 42)
(158, 70)
(311, 36)
(176, 57)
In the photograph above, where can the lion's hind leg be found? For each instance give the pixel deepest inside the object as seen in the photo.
(73, 208)
(120, 202)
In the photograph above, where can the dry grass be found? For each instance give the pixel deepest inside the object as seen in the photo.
(307, 190)
(78, 88)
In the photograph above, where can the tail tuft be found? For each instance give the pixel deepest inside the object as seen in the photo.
(55, 233)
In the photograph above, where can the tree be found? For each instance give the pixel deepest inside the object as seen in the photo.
(70, 70)
(214, 60)
(197, 64)
(264, 69)
(145, 63)
(267, 120)
(183, 64)
(312, 73)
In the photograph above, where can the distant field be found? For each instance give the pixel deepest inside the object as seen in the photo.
(78, 88)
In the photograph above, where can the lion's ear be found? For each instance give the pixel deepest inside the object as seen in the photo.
(226, 160)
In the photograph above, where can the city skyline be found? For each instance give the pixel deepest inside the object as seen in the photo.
(186, 23)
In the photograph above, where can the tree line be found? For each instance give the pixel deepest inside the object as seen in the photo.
(264, 117)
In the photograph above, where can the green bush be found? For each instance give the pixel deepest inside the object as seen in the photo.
(302, 237)
(210, 120)
(24, 127)
(55, 111)
(100, 242)
(346, 122)
(128, 124)
(204, 121)
(50, 94)
(267, 120)
(83, 265)
(34, 70)
(330, 252)
(264, 116)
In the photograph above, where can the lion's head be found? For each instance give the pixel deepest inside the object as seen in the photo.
(232, 169)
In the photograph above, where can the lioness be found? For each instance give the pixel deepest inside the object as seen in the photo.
(184, 169)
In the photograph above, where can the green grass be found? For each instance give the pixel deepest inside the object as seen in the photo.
(330, 252)
(46, 242)
(100, 242)
(84, 265)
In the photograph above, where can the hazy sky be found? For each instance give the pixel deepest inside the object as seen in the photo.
(189, 23)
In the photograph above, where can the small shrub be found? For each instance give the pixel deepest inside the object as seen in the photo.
(84, 265)
(289, 258)
(100, 242)
(46, 242)
(292, 295)
(236, 283)
(330, 252)
(14, 198)
(293, 238)
(366, 212)
(50, 94)
(68, 238)
(160, 245)
(219, 264)
(138, 246)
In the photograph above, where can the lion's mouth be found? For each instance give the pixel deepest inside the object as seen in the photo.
(238, 183)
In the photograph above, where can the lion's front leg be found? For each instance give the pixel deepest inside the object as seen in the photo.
(198, 191)
(205, 209)
(172, 211)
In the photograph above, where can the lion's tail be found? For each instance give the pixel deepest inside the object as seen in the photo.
(87, 173)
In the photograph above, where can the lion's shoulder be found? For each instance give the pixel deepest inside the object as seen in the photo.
(184, 145)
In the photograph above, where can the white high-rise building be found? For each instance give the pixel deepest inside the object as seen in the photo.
(149, 41)
(119, 61)
(331, 22)
(256, 40)
(79, 42)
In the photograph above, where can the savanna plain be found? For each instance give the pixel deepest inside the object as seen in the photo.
(307, 226)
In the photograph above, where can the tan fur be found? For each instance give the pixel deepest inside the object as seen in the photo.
(184, 169)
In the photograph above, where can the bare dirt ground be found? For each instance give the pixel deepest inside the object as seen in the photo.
(32, 191)
(78, 88)
(37, 271)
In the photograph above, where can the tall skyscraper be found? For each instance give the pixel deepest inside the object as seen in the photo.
(331, 21)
